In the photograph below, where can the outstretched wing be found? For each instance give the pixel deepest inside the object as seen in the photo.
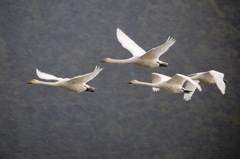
(218, 77)
(189, 86)
(129, 44)
(156, 78)
(87, 77)
(179, 79)
(46, 76)
(194, 74)
(155, 53)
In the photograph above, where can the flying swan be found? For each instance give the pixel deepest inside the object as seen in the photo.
(76, 84)
(140, 57)
(172, 85)
(209, 77)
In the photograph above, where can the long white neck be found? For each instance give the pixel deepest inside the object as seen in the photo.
(45, 83)
(120, 61)
(145, 83)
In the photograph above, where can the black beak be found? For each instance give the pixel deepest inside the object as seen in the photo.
(225, 81)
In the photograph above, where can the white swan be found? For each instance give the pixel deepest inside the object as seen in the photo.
(209, 77)
(140, 57)
(168, 84)
(75, 84)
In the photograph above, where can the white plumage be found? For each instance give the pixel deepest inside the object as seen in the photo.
(75, 84)
(149, 59)
(168, 84)
(209, 77)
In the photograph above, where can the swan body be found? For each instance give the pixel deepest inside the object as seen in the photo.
(75, 84)
(149, 59)
(209, 77)
(168, 84)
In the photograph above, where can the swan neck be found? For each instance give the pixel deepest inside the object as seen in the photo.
(45, 83)
(120, 61)
(145, 83)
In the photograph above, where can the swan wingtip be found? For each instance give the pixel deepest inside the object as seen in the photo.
(200, 89)
(119, 30)
(37, 70)
(97, 68)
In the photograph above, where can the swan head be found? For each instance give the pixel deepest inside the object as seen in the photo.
(32, 81)
(133, 82)
(105, 60)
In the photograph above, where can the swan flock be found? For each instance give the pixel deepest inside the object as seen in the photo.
(179, 83)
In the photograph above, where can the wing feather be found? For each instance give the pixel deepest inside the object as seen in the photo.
(218, 77)
(129, 44)
(87, 77)
(180, 79)
(155, 53)
(155, 79)
(46, 76)
(189, 86)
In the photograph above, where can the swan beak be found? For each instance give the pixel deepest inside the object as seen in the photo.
(131, 82)
(30, 82)
(104, 60)
(225, 81)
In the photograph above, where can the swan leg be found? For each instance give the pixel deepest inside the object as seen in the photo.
(186, 91)
(90, 89)
(163, 64)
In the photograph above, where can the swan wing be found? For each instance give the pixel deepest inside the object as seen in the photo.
(129, 44)
(192, 75)
(179, 79)
(189, 86)
(156, 78)
(46, 76)
(87, 77)
(218, 77)
(155, 53)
